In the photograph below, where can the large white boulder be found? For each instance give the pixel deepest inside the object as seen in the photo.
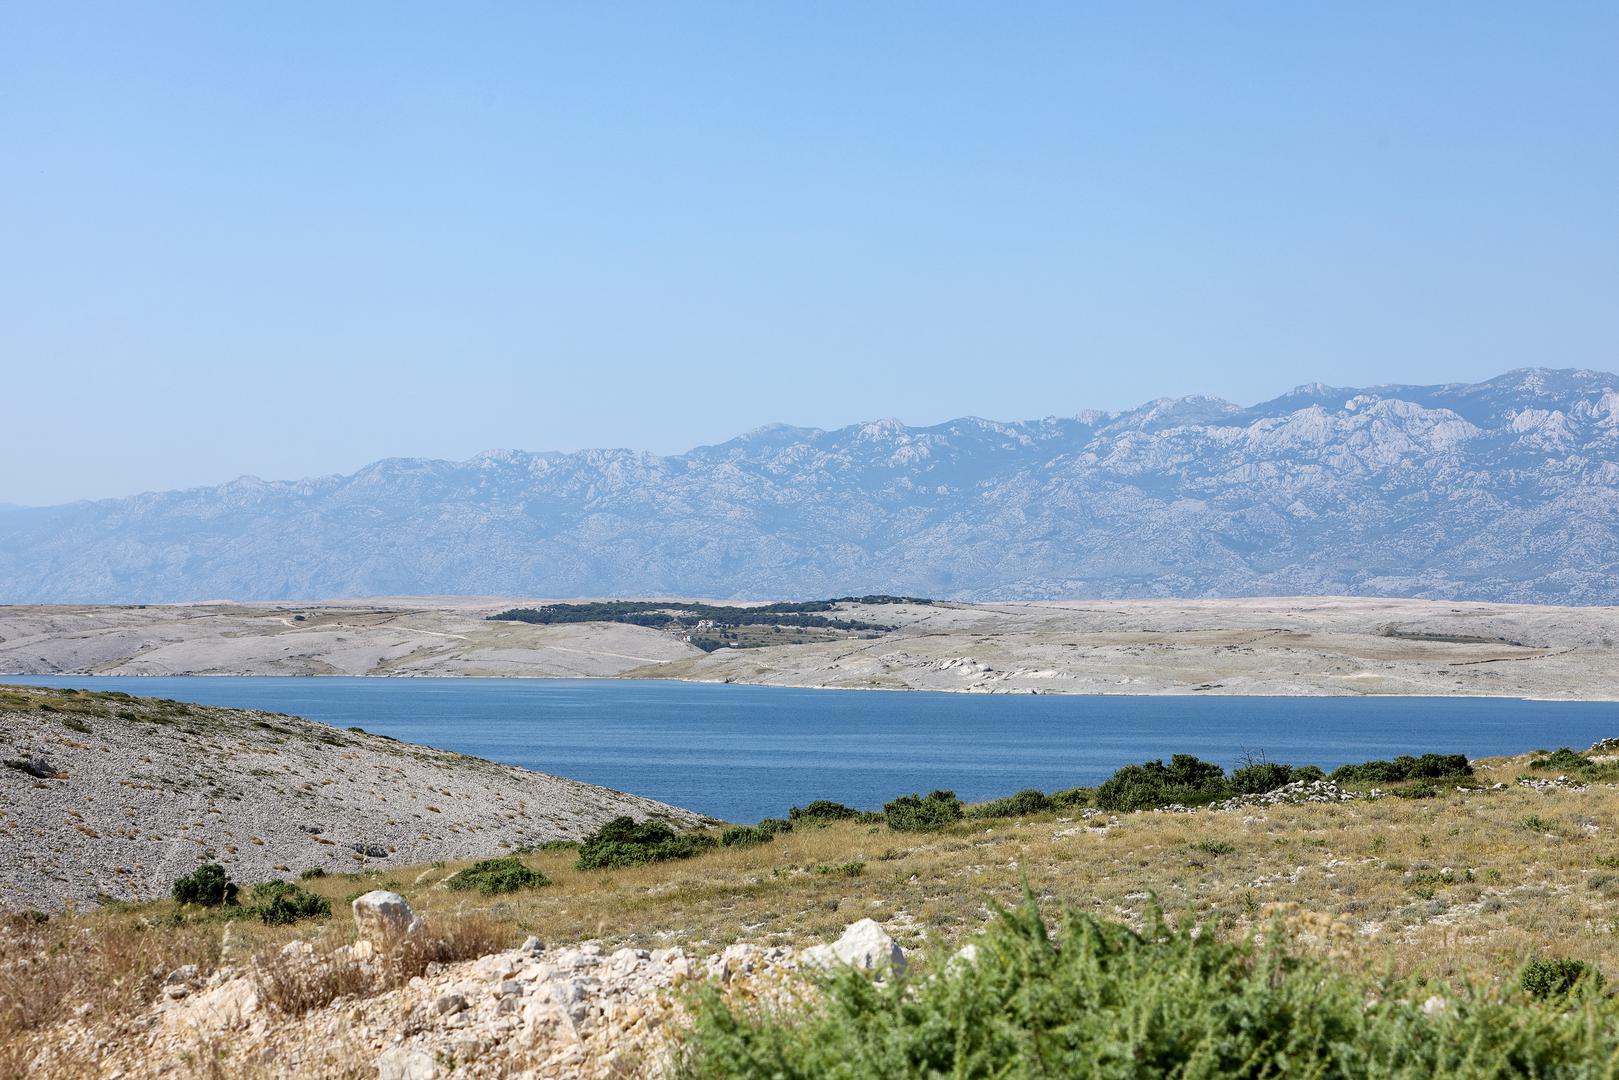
(865, 945)
(382, 916)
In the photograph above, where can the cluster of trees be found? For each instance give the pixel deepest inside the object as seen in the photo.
(662, 613)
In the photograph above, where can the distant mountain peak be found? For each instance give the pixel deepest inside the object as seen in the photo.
(1507, 489)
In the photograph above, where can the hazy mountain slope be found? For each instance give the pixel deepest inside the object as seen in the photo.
(1503, 490)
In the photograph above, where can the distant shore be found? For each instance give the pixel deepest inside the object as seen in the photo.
(1303, 647)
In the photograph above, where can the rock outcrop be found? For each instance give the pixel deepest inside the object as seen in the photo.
(577, 1011)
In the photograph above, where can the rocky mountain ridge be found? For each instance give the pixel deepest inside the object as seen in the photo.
(1504, 490)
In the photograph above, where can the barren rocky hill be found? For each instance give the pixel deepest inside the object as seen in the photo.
(107, 796)
(1505, 490)
(409, 638)
(1269, 645)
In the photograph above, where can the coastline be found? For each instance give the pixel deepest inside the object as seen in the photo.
(1172, 692)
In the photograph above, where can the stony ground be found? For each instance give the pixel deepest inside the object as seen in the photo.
(533, 1011)
(1295, 646)
(110, 797)
(449, 637)
(1467, 883)
(1310, 645)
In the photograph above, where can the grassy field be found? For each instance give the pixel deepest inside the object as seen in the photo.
(1462, 885)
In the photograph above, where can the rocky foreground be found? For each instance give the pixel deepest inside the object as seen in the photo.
(108, 797)
(533, 1011)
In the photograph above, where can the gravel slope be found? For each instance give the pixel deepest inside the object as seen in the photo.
(107, 796)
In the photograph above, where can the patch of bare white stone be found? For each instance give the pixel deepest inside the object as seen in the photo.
(531, 1011)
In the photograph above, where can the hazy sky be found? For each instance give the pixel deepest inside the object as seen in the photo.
(287, 239)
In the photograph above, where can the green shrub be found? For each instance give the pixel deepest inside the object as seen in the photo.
(627, 842)
(1027, 801)
(1185, 780)
(775, 825)
(916, 813)
(1215, 847)
(550, 845)
(206, 886)
(312, 873)
(1562, 760)
(745, 836)
(1096, 1000)
(281, 903)
(1072, 797)
(493, 877)
(1555, 976)
(845, 869)
(1405, 767)
(1420, 790)
(73, 723)
(1258, 777)
(820, 812)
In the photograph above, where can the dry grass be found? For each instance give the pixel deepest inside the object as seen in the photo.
(295, 985)
(1471, 884)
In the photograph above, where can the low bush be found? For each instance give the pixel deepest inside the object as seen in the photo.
(312, 873)
(1098, 1000)
(1562, 759)
(844, 869)
(494, 877)
(206, 886)
(1215, 847)
(775, 825)
(627, 842)
(1258, 777)
(917, 813)
(1420, 790)
(745, 836)
(1027, 801)
(1072, 797)
(557, 845)
(1404, 767)
(821, 811)
(281, 903)
(1555, 976)
(1185, 780)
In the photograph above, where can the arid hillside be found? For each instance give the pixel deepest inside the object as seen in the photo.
(1286, 645)
(585, 972)
(109, 797)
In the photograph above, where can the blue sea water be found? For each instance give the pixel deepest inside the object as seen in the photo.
(745, 752)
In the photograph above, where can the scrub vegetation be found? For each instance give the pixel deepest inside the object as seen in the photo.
(716, 626)
(1497, 895)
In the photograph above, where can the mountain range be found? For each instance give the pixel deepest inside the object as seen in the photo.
(1503, 490)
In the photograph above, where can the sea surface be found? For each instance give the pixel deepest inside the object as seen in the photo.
(745, 752)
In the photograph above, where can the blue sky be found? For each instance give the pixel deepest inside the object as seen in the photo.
(287, 239)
